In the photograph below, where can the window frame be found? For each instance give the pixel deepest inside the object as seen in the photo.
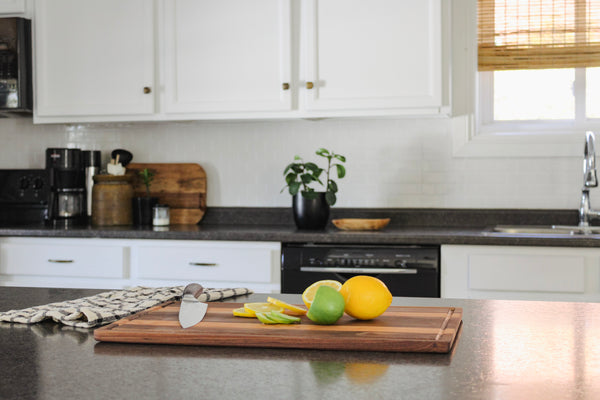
(473, 139)
(487, 125)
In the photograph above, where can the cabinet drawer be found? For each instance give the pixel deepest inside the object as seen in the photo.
(201, 263)
(62, 260)
(531, 273)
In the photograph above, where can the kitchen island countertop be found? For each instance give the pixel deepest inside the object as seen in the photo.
(505, 350)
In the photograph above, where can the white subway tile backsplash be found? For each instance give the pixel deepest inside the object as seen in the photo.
(390, 162)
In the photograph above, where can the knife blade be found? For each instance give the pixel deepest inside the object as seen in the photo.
(192, 310)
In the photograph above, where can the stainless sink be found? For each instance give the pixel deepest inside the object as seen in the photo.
(546, 230)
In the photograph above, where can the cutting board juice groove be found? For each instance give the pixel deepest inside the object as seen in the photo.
(399, 329)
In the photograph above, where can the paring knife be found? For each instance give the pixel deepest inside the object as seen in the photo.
(192, 311)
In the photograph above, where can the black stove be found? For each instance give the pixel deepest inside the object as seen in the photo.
(24, 195)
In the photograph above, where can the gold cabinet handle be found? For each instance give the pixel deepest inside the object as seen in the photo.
(285, 86)
(309, 85)
(61, 261)
(201, 264)
(147, 90)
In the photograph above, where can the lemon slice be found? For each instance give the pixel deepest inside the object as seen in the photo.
(289, 308)
(241, 312)
(253, 308)
(309, 293)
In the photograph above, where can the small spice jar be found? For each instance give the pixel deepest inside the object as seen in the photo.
(111, 200)
(160, 215)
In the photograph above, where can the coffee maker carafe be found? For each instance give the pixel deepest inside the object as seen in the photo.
(67, 186)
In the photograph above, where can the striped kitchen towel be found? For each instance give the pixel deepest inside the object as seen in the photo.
(107, 307)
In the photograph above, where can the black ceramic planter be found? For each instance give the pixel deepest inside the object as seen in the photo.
(310, 213)
(142, 209)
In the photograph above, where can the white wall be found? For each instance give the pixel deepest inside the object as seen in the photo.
(391, 162)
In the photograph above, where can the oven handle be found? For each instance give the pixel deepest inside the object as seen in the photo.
(360, 270)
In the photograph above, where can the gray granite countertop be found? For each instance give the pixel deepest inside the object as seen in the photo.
(407, 226)
(505, 350)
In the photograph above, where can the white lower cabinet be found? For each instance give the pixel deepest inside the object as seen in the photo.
(116, 263)
(216, 264)
(80, 263)
(520, 273)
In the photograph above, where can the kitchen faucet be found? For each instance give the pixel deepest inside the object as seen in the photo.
(589, 180)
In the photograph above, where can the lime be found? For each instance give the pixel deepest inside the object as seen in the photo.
(327, 306)
(309, 293)
(265, 319)
(283, 318)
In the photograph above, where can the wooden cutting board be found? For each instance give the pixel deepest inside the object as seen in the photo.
(182, 186)
(399, 329)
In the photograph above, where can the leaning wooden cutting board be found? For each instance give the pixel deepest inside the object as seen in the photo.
(399, 329)
(182, 186)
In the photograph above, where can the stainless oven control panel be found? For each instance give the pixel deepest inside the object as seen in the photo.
(406, 270)
(370, 257)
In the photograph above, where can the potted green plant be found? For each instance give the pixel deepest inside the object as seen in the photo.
(142, 205)
(311, 206)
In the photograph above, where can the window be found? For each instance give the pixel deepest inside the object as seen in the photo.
(539, 65)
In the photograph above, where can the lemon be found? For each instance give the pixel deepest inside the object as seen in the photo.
(253, 308)
(327, 306)
(289, 308)
(365, 373)
(309, 292)
(241, 312)
(366, 297)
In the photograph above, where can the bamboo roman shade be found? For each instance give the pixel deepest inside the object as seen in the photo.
(537, 34)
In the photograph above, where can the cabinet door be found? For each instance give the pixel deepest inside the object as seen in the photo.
(255, 265)
(520, 273)
(227, 55)
(12, 6)
(379, 54)
(93, 57)
(64, 262)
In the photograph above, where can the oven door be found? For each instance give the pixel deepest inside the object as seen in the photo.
(416, 275)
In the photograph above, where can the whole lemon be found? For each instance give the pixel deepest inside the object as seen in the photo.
(366, 297)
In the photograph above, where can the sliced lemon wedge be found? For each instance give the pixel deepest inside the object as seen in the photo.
(253, 308)
(289, 308)
(309, 293)
(241, 312)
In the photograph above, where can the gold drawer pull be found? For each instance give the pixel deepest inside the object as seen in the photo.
(285, 86)
(147, 90)
(309, 85)
(200, 264)
(61, 261)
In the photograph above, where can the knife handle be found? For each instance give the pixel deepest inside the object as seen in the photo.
(195, 289)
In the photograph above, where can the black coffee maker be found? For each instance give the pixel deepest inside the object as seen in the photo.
(67, 203)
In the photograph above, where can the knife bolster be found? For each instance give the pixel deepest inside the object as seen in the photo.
(194, 289)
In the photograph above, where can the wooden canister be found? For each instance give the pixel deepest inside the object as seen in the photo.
(111, 200)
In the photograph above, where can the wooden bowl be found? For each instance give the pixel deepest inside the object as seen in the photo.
(361, 224)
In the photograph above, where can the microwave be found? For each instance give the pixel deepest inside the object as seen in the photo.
(16, 88)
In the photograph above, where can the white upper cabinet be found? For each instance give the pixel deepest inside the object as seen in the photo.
(378, 54)
(93, 58)
(239, 59)
(227, 56)
(16, 7)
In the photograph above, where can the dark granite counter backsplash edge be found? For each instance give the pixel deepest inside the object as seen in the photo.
(407, 226)
(400, 217)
